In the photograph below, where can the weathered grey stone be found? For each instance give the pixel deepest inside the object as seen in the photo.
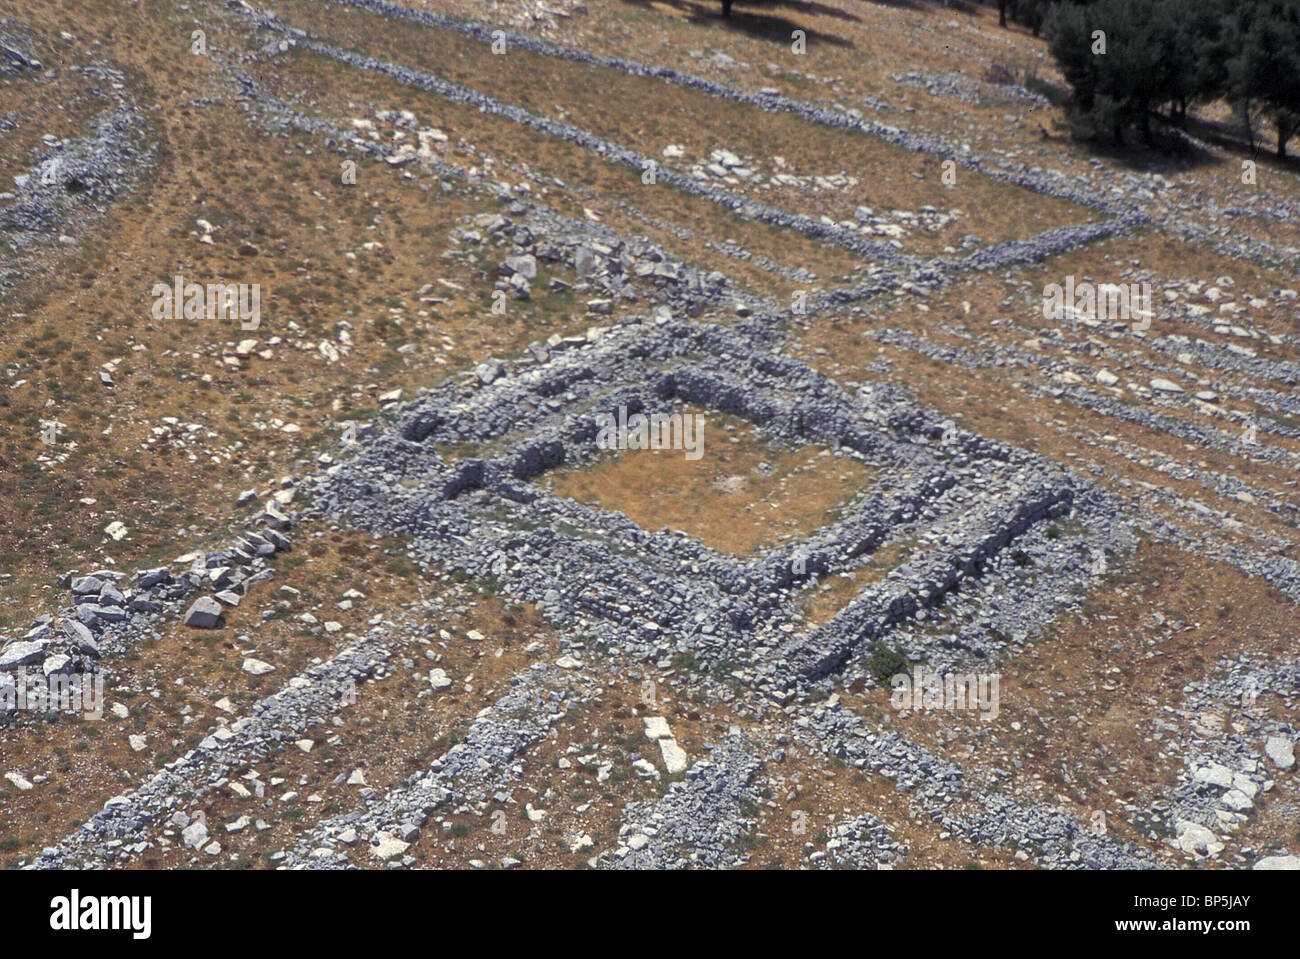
(23, 654)
(525, 265)
(204, 613)
(150, 578)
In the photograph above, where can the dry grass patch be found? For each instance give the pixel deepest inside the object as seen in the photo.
(990, 404)
(647, 114)
(574, 797)
(829, 596)
(740, 495)
(170, 687)
(507, 150)
(1078, 706)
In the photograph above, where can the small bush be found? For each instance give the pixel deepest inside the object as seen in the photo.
(886, 662)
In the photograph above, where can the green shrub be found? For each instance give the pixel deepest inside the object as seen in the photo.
(886, 662)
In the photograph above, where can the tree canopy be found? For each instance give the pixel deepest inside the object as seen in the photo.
(1129, 62)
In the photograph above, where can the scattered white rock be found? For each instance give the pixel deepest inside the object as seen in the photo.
(674, 756)
(1237, 800)
(645, 769)
(1215, 775)
(656, 727)
(195, 834)
(1281, 750)
(388, 846)
(1195, 838)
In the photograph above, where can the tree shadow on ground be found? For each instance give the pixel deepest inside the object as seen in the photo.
(762, 26)
(1169, 149)
(1231, 137)
(1172, 149)
(776, 28)
(1166, 152)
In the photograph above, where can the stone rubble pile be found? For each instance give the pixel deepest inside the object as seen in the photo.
(863, 842)
(111, 609)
